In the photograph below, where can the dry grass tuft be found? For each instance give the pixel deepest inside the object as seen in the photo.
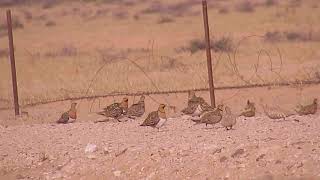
(223, 10)
(16, 24)
(165, 19)
(246, 7)
(293, 36)
(223, 44)
(50, 23)
(270, 3)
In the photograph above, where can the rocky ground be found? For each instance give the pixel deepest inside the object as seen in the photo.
(257, 148)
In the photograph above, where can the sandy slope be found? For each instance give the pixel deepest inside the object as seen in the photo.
(256, 148)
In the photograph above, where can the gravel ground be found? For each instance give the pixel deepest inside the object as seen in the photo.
(257, 148)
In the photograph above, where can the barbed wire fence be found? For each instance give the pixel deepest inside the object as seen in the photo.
(233, 67)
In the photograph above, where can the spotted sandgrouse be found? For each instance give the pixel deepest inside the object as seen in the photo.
(308, 109)
(211, 116)
(137, 109)
(228, 119)
(156, 118)
(115, 110)
(70, 114)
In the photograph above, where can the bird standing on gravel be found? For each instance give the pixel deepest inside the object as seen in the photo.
(202, 107)
(116, 110)
(71, 113)
(228, 119)
(249, 110)
(137, 109)
(193, 103)
(275, 113)
(210, 117)
(157, 118)
(308, 109)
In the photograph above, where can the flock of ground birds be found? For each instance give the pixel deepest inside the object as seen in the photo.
(197, 108)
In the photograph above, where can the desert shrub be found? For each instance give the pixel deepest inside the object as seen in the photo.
(245, 6)
(196, 45)
(67, 50)
(271, 2)
(295, 3)
(16, 24)
(273, 36)
(4, 52)
(136, 17)
(27, 15)
(165, 19)
(49, 4)
(276, 36)
(296, 36)
(120, 15)
(177, 9)
(50, 23)
(223, 10)
(224, 44)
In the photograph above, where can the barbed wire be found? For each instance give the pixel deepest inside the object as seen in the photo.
(148, 93)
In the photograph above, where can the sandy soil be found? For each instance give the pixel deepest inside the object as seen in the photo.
(257, 148)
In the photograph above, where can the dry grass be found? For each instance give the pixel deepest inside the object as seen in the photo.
(60, 61)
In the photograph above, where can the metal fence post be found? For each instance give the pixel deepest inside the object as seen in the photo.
(208, 51)
(13, 64)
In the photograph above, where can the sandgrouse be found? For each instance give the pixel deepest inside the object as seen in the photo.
(157, 118)
(308, 109)
(202, 107)
(193, 103)
(249, 110)
(71, 113)
(211, 116)
(228, 119)
(115, 110)
(137, 109)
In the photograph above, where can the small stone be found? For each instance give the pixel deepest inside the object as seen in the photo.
(237, 153)
(19, 176)
(117, 173)
(92, 156)
(106, 151)
(90, 148)
(260, 157)
(223, 159)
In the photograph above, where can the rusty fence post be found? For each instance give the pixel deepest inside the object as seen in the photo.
(13, 64)
(208, 51)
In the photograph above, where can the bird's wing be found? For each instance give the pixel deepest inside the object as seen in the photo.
(190, 109)
(64, 117)
(152, 119)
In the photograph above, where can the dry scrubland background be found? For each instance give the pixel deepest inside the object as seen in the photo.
(60, 45)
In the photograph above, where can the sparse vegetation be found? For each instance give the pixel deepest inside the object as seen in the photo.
(141, 37)
(4, 52)
(120, 15)
(224, 44)
(223, 10)
(276, 36)
(245, 6)
(16, 24)
(67, 50)
(164, 19)
(271, 3)
(50, 23)
(177, 9)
